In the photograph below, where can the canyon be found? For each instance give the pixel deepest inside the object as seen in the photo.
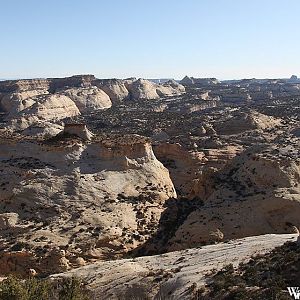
(143, 178)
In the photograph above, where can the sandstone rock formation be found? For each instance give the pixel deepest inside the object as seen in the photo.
(79, 182)
(143, 89)
(88, 99)
(43, 129)
(243, 121)
(170, 88)
(11, 86)
(261, 187)
(175, 275)
(16, 102)
(46, 108)
(191, 170)
(199, 81)
(79, 130)
(96, 199)
(115, 89)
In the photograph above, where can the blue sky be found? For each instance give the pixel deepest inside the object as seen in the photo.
(151, 39)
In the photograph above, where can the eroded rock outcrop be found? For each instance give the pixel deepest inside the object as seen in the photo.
(257, 193)
(96, 199)
(244, 121)
(191, 170)
(175, 275)
(170, 88)
(45, 108)
(88, 99)
(147, 90)
(16, 102)
(143, 89)
(114, 88)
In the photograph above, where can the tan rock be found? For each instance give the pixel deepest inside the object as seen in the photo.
(257, 193)
(244, 121)
(79, 261)
(84, 194)
(79, 130)
(16, 102)
(45, 108)
(115, 89)
(177, 270)
(8, 220)
(89, 98)
(143, 89)
(170, 88)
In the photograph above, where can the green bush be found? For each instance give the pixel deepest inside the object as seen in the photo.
(14, 288)
(31, 289)
(71, 289)
(263, 277)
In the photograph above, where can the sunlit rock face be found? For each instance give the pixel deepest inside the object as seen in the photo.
(88, 99)
(45, 108)
(261, 187)
(114, 88)
(59, 189)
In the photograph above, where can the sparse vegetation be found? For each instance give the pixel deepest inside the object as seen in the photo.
(14, 288)
(263, 277)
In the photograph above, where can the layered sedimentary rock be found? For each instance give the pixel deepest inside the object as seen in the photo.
(145, 89)
(94, 199)
(13, 103)
(11, 86)
(45, 108)
(257, 193)
(114, 88)
(88, 99)
(244, 121)
(175, 275)
(79, 130)
(191, 170)
(73, 81)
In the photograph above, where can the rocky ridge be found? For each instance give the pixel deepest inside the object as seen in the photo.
(175, 275)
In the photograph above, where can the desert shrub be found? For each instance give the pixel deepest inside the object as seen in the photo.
(71, 289)
(263, 277)
(14, 288)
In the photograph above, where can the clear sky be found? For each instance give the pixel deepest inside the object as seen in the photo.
(151, 39)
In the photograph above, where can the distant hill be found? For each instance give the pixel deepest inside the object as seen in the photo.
(160, 80)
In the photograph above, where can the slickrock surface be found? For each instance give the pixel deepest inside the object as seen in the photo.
(243, 121)
(257, 193)
(88, 99)
(97, 169)
(45, 108)
(174, 273)
(145, 89)
(94, 199)
(115, 89)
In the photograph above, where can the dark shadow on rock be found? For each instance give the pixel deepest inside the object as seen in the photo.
(175, 213)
